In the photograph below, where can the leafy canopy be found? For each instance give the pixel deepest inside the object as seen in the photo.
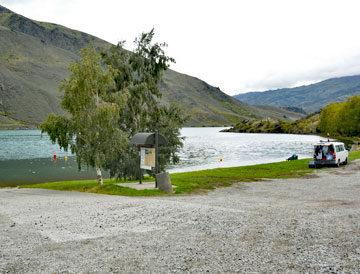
(106, 107)
(341, 118)
(90, 127)
(139, 73)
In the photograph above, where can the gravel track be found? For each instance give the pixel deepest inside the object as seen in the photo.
(308, 225)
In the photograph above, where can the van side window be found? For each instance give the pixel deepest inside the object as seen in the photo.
(337, 148)
(342, 148)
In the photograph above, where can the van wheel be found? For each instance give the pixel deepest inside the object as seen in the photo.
(346, 161)
(338, 163)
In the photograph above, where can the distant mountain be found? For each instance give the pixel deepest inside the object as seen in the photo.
(34, 57)
(310, 98)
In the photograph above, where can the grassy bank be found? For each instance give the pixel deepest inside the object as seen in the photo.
(354, 155)
(197, 181)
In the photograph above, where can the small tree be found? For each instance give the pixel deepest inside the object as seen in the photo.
(330, 119)
(349, 116)
(341, 118)
(93, 104)
(140, 72)
(106, 107)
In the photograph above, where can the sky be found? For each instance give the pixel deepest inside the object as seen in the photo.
(236, 45)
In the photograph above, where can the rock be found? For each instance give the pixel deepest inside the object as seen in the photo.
(164, 183)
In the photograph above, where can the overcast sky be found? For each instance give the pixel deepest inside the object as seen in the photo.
(238, 45)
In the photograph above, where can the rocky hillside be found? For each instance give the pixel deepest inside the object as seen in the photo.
(34, 57)
(307, 125)
(311, 97)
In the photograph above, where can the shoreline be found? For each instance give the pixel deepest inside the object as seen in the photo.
(299, 225)
(42, 170)
(220, 175)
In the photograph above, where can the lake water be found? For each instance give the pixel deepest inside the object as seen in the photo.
(27, 144)
(204, 147)
(24, 154)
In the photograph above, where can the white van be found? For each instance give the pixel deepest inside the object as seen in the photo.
(330, 153)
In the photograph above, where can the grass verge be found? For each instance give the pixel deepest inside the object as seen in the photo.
(196, 181)
(353, 155)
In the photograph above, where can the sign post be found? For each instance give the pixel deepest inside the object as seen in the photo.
(149, 158)
(156, 157)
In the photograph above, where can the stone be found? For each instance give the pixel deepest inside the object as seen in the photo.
(163, 182)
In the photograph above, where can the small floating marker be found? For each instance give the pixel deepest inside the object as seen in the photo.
(65, 158)
(54, 155)
(220, 159)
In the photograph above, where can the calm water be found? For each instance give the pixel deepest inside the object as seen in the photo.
(27, 144)
(203, 148)
(24, 154)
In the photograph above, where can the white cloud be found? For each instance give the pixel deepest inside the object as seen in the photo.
(236, 45)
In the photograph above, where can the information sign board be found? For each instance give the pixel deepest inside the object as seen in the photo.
(147, 158)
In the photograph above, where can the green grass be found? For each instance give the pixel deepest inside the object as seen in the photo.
(354, 155)
(189, 182)
(196, 181)
(109, 187)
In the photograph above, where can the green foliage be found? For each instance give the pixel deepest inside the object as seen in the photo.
(341, 118)
(329, 118)
(106, 107)
(90, 97)
(168, 121)
(350, 117)
(139, 73)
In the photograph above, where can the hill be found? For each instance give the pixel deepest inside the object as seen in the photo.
(311, 97)
(34, 57)
(307, 125)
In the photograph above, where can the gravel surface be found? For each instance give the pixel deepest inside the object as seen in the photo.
(308, 225)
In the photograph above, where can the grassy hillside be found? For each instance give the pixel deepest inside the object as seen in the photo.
(30, 72)
(311, 98)
(34, 57)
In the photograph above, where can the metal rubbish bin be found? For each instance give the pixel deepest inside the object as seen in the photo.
(163, 182)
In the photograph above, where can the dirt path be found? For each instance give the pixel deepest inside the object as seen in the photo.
(292, 226)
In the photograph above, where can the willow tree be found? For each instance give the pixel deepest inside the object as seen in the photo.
(93, 104)
(140, 74)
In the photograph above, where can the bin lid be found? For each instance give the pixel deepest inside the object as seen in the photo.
(145, 138)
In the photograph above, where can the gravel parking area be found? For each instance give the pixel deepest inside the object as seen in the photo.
(308, 225)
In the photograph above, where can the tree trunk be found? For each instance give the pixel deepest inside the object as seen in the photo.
(99, 176)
